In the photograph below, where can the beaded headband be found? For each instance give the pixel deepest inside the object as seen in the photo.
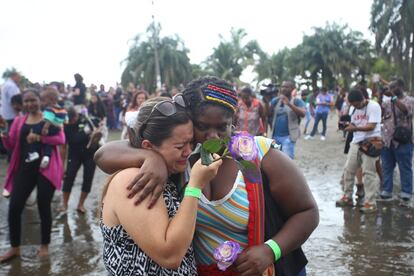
(221, 96)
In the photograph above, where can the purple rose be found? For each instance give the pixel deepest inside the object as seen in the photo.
(226, 253)
(242, 145)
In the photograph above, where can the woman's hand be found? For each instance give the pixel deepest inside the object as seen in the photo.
(32, 137)
(201, 174)
(254, 260)
(151, 179)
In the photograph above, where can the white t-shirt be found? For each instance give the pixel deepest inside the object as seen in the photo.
(361, 117)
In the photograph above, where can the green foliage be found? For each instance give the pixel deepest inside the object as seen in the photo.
(175, 67)
(213, 145)
(392, 22)
(275, 67)
(230, 58)
(331, 53)
(24, 81)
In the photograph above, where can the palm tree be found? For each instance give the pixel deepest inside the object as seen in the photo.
(392, 22)
(175, 67)
(331, 54)
(274, 67)
(230, 58)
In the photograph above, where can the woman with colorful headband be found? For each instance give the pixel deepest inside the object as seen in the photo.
(281, 212)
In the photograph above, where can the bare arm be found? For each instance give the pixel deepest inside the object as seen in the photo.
(263, 116)
(289, 188)
(118, 155)
(127, 156)
(401, 106)
(368, 127)
(165, 240)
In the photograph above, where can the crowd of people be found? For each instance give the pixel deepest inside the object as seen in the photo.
(50, 131)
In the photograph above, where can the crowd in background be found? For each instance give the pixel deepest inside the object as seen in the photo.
(45, 124)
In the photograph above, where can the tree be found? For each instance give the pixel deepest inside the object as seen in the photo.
(392, 22)
(175, 67)
(274, 67)
(24, 81)
(230, 58)
(332, 53)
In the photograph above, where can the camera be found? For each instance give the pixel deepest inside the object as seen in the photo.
(269, 90)
(344, 121)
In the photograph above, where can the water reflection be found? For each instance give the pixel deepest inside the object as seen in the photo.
(378, 244)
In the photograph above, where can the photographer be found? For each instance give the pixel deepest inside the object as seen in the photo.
(398, 138)
(286, 113)
(268, 94)
(364, 151)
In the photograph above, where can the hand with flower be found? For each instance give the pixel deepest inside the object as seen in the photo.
(240, 147)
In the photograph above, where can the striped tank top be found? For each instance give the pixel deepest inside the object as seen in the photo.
(225, 219)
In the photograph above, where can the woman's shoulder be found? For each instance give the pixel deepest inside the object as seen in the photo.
(263, 145)
(121, 179)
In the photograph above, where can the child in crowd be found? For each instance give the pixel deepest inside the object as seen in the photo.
(17, 103)
(54, 117)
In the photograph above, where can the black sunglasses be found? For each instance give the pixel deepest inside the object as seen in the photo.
(166, 108)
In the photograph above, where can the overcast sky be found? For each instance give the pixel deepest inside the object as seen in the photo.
(51, 40)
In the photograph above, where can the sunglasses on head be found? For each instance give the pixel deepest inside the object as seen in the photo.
(166, 108)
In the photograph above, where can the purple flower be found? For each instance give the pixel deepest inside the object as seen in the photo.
(226, 253)
(242, 146)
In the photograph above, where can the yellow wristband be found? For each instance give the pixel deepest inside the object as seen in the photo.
(275, 248)
(192, 191)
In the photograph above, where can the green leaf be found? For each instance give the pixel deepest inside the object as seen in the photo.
(247, 165)
(226, 141)
(212, 145)
(206, 158)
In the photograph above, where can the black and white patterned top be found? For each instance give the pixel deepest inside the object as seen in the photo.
(122, 256)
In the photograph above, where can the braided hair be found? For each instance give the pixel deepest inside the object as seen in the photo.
(207, 91)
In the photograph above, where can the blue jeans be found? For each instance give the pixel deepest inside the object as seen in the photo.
(308, 118)
(303, 272)
(402, 155)
(288, 146)
(318, 117)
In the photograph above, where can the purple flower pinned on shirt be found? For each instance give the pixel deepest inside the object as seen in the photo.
(226, 253)
(242, 146)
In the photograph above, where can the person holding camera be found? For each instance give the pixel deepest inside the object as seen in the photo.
(398, 139)
(286, 113)
(364, 150)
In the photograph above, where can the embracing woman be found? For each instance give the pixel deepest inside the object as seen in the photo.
(156, 241)
(270, 222)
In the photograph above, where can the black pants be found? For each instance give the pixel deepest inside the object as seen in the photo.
(75, 160)
(27, 178)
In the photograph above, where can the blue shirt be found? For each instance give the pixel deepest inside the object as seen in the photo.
(281, 126)
(321, 98)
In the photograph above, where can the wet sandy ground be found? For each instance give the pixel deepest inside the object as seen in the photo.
(345, 243)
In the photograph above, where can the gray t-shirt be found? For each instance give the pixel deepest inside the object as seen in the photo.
(361, 117)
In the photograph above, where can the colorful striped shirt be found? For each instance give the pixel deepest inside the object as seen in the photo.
(225, 219)
(55, 115)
